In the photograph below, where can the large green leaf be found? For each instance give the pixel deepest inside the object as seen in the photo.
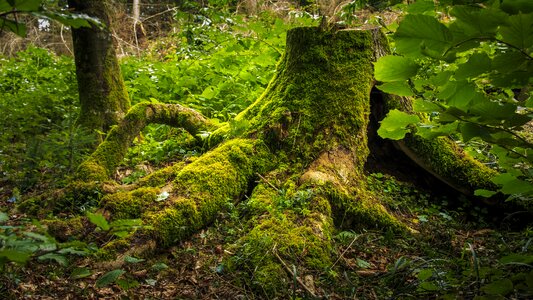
(519, 32)
(98, 220)
(27, 5)
(109, 278)
(69, 19)
(3, 217)
(459, 94)
(477, 21)
(420, 105)
(15, 27)
(15, 255)
(79, 273)
(394, 68)
(394, 125)
(400, 88)
(499, 287)
(60, 259)
(417, 32)
(489, 110)
(5, 6)
(422, 7)
(470, 131)
(516, 6)
(512, 185)
(476, 65)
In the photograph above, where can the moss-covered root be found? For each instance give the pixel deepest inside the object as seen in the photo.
(102, 163)
(443, 158)
(298, 235)
(335, 175)
(201, 189)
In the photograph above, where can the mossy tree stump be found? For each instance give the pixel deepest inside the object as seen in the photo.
(300, 161)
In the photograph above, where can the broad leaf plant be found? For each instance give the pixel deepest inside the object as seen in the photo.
(468, 65)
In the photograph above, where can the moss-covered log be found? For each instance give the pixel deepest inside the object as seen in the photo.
(102, 163)
(300, 159)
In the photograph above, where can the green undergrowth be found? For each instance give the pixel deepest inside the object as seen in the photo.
(252, 243)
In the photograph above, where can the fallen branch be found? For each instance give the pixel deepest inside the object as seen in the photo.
(305, 287)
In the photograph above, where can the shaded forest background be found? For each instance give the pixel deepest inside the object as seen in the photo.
(218, 57)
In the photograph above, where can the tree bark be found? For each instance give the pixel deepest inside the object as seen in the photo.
(103, 96)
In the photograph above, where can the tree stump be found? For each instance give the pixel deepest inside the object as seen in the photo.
(300, 161)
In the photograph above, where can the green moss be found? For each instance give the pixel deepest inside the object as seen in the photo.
(449, 162)
(130, 205)
(202, 188)
(172, 224)
(164, 175)
(67, 229)
(319, 98)
(303, 242)
(261, 200)
(101, 165)
(359, 208)
(112, 249)
(77, 196)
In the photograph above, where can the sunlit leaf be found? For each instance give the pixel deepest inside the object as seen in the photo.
(421, 105)
(133, 260)
(512, 185)
(15, 27)
(5, 6)
(15, 255)
(416, 31)
(484, 193)
(394, 68)
(3, 217)
(425, 274)
(27, 5)
(470, 131)
(400, 88)
(476, 21)
(476, 65)
(394, 125)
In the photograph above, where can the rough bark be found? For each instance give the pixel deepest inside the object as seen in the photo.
(103, 96)
(301, 161)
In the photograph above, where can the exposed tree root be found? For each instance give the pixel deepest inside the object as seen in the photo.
(305, 144)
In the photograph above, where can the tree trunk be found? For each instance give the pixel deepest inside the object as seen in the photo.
(300, 161)
(136, 11)
(103, 96)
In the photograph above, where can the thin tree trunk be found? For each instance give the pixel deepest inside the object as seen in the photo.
(103, 96)
(136, 11)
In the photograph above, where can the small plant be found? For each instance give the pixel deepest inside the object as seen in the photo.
(119, 228)
(18, 245)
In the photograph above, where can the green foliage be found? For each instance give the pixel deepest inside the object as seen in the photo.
(109, 278)
(18, 244)
(11, 11)
(40, 140)
(473, 74)
(217, 63)
(119, 228)
(395, 125)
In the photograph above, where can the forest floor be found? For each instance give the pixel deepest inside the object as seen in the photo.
(458, 252)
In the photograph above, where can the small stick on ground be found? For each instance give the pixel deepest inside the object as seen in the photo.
(343, 252)
(267, 182)
(305, 287)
